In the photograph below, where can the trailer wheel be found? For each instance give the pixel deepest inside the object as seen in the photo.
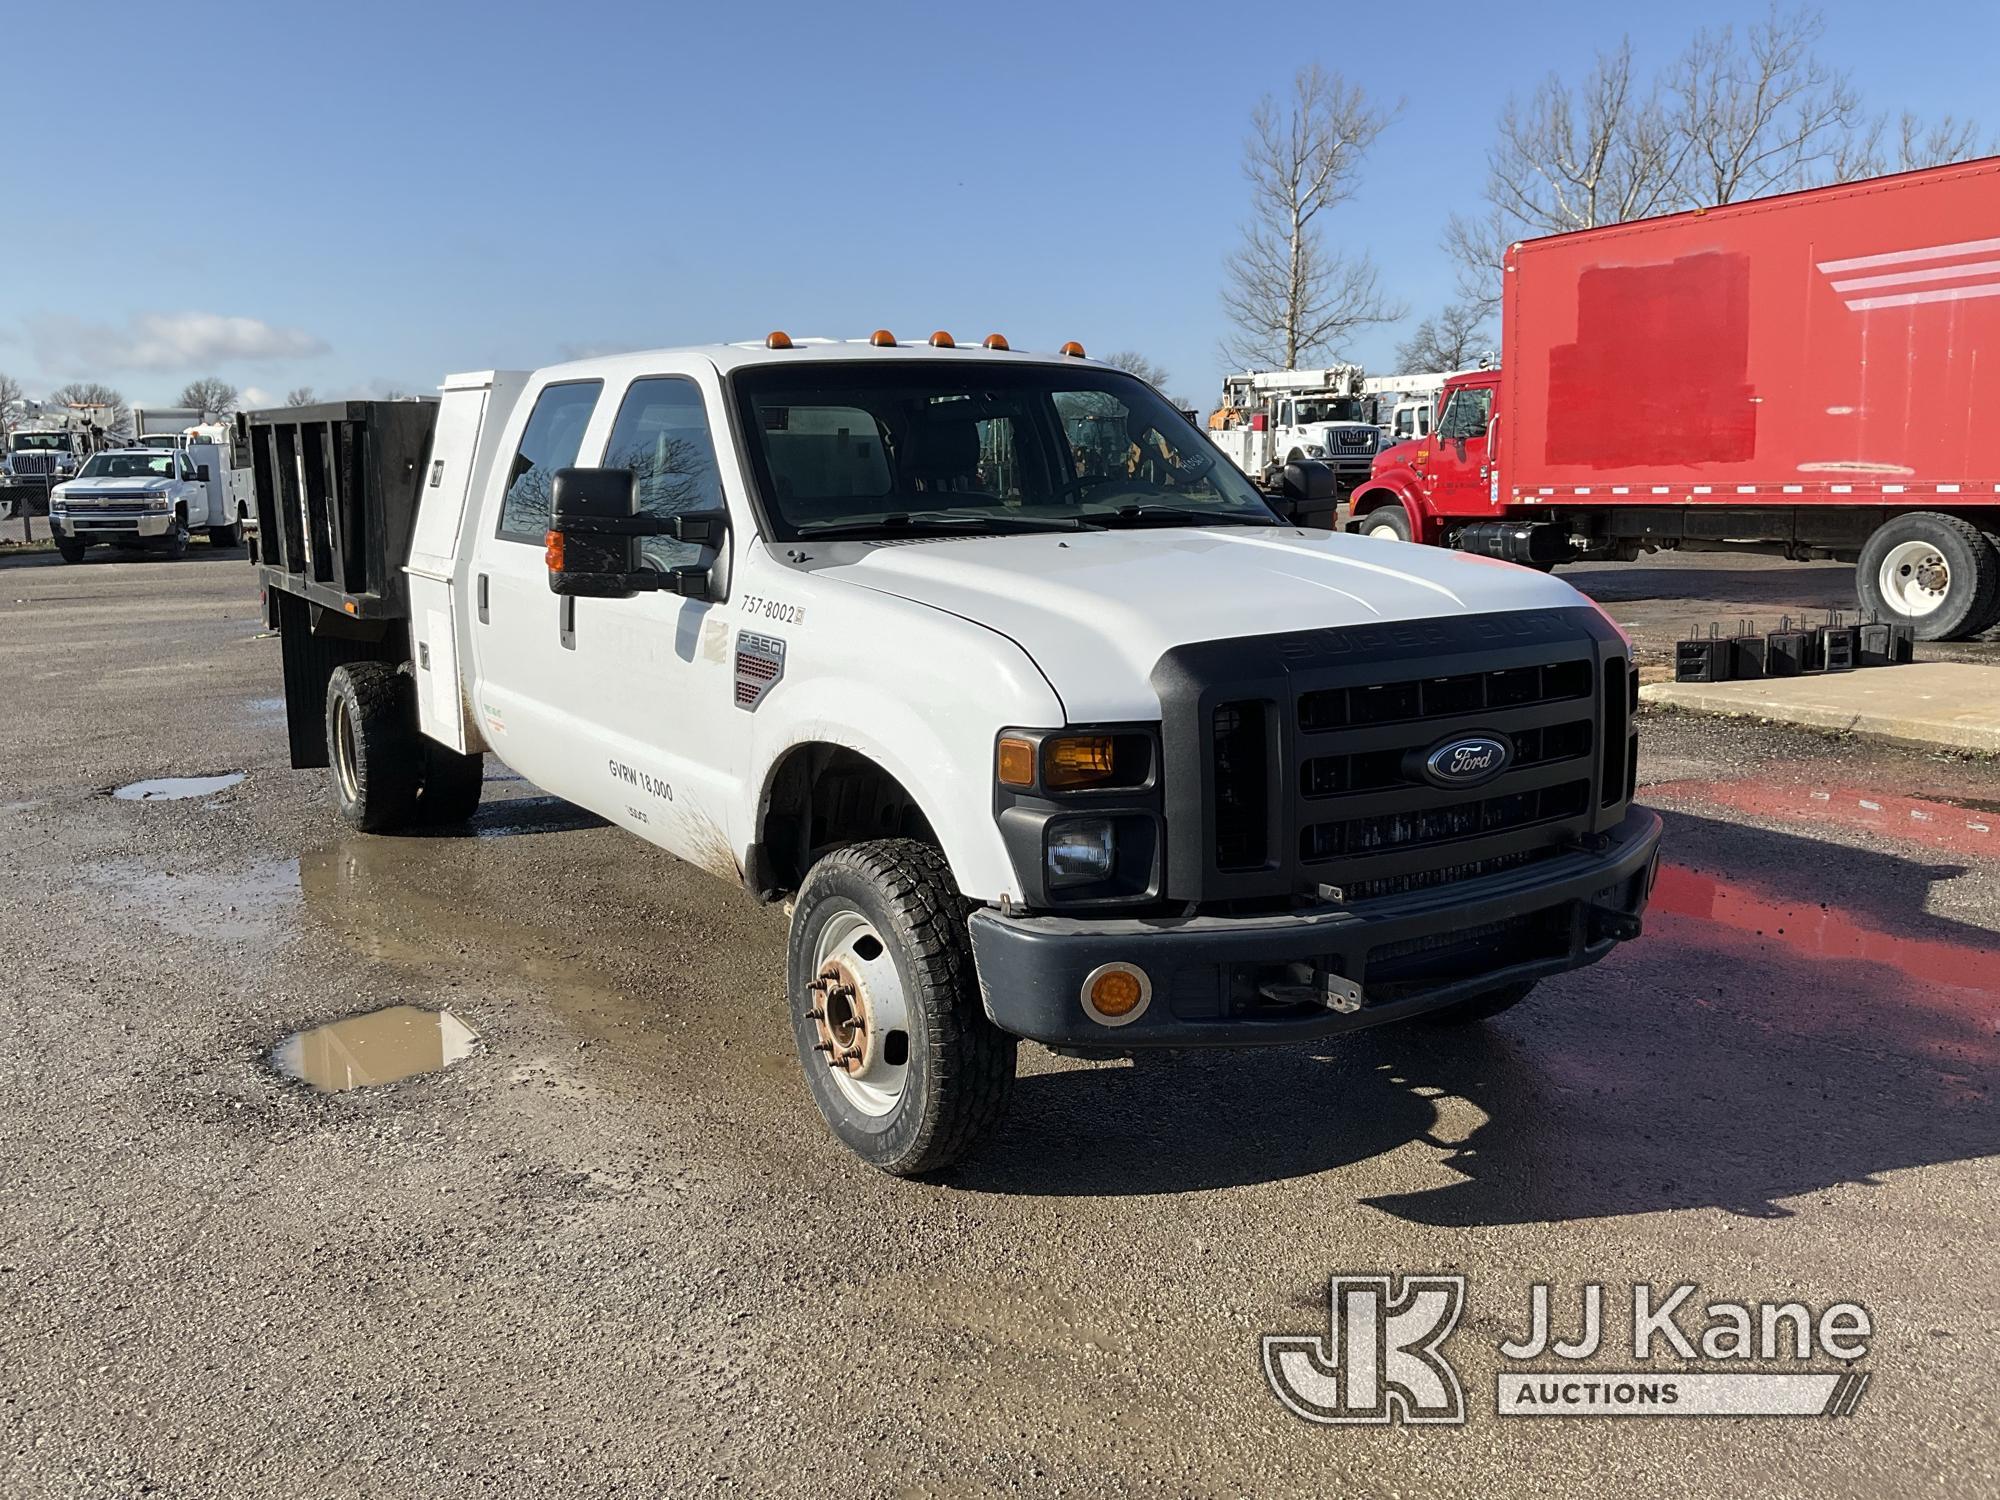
(1938, 573)
(1387, 523)
(1479, 1007)
(452, 785)
(373, 746)
(901, 1059)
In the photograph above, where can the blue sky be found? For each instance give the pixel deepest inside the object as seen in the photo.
(363, 195)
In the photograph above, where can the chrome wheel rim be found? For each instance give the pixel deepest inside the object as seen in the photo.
(860, 1014)
(343, 752)
(1914, 578)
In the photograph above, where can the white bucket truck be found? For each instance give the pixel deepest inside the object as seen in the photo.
(1045, 723)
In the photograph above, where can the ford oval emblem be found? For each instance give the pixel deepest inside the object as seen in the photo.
(1467, 760)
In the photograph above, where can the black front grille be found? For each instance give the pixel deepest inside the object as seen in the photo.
(1242, 785)
(1503, 813)
(1302, 758)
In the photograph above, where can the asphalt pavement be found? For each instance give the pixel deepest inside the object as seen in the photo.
(612, 1251)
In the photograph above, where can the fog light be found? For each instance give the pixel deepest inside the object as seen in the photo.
(1114, 994)
(1080, 850)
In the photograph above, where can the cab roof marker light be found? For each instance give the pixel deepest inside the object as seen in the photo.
(881, 338)
(1073, 349)
(777, 340)
(942, 340)
(996, 341)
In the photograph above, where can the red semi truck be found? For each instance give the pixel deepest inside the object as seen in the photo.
(1813, 375)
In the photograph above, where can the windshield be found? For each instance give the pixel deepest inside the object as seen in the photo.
(886, 448)
(129, 466)
(1332, 409)
(25, 442)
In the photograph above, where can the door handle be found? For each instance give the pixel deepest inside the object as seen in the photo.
(482, 599)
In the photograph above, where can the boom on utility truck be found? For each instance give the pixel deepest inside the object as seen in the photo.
(1805, 375)
(1044, 720)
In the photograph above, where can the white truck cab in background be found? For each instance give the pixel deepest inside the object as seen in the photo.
(1044, 721)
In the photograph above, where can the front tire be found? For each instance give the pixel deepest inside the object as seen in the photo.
(904, 1064)
(373, 746)
(176, 544)
(70, 552)
(1937, 573)
(1386, 523)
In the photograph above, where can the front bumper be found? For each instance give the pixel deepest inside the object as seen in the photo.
(1212, 977)
(82, 526)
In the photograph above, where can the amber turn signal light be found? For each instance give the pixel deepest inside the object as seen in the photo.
(1017, 762)
(552, 550)
(1115, 992)
(1078, 760)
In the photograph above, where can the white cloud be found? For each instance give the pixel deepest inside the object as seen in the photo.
(256, 398)
(163, 341)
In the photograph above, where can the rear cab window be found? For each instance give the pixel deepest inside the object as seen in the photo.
(551, 441)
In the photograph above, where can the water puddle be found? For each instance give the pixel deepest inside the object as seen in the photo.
(379, 1046)
(173, 788)
(232, 905)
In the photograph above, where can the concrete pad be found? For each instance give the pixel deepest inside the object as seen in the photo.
(1945, 704)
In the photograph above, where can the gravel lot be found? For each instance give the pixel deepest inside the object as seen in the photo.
(614, 1252)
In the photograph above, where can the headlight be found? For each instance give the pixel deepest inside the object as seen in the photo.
(1080, 851)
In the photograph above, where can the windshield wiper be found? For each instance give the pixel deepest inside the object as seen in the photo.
(1174, 515)
(940, 524)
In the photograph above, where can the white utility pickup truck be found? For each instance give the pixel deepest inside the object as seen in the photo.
(1046, 724)
(151, 498)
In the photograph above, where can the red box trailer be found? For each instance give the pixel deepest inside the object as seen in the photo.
(1810, 374)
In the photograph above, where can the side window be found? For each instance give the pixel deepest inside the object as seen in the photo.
(553, 436)
(662, 435)
(1466, 416)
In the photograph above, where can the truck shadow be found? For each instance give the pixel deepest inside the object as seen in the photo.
(1783, 585)
(1795, 1025)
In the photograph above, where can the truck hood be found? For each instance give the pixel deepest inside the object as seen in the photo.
(1096, 610)
(85, 489)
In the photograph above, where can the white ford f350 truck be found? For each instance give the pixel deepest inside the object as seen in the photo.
(1044, 721)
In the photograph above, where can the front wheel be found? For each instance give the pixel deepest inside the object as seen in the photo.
(1388, 523)
(71, 552)
(1937, 573)
(902, 1061)
(176, 544)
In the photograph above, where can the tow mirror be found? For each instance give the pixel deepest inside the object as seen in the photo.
(595, 526)
(201, 472)
(1307, 487)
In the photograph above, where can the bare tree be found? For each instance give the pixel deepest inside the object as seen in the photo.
(1134, 363)
(1289, 296)
(11, 396)
(1908, 146)
(105, 405)
(1567, 159)
(1760, 116)
(1452, 340)
(211, 396)
(299, 395)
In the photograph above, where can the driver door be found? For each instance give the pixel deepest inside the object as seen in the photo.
(1458, 469)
